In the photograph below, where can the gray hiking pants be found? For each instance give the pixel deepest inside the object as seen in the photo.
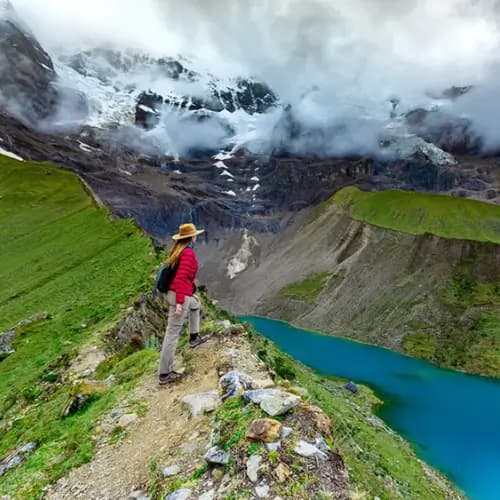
(191, 310)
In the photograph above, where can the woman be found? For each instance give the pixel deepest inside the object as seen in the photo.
(182, 300)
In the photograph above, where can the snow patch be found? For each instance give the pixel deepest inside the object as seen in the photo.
(227, 173)
(257, 186)
(146, 108)
(241, 260)
(4, 152)
(223, 155)
(230, 193)
(255, 178)
(85, 147)
(220, 164)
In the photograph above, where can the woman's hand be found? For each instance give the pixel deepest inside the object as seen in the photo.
(178, 311)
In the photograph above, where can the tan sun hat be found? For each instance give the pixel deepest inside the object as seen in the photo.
(187, 231)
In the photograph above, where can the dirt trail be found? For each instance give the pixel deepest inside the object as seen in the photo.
(118, 470)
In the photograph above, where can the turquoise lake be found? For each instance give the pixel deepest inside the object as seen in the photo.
(452, 419)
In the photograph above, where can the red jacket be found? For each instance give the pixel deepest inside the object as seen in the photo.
(183, 282)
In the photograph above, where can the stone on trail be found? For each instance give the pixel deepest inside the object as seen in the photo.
(285, 432)
(182, 494)
(209, 495)
(308, 450)
(171, 470)
(253, 466)
(266, 430)
(138, 495)
(233, 384)
(216, 456)
(266, 383)
(127, 419)
(204, 402)
(273, 401)
(262, 491)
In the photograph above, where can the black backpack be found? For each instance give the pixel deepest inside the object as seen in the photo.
(164, 277)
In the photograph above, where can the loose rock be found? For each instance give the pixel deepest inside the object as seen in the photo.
(352, 387)
(266, 383)
(216, 456)
(264, 429)
(204, 402)
(253, 465)
(282, 472)
(209, 495)
(233, 384)
(138, 495)
(323, 421)
(286, 431)
(308, 450)
(182, 494)
(17, 457)
(273, 446)
(171, 470)
(127, 419)
(273, 401)
(262, 491)
(280, 404)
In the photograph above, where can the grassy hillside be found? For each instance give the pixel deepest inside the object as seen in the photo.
(420, 213)
(64, 256)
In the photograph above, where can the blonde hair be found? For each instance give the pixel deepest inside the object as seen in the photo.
(176, 250)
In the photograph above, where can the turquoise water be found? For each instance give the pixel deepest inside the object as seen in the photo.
(453, 419)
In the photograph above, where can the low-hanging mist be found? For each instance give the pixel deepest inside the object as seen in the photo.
(343, 66)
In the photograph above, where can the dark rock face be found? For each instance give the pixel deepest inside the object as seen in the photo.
(250, 96)
(450, 133)
(148, 109)
(27, 74)
(28, 81)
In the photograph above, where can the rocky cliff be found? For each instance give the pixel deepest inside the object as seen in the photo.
(422, 294)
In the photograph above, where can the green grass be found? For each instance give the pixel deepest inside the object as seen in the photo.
(62, 255)
(420, 213)
(307, 290)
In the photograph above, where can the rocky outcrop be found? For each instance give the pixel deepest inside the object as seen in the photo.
(17, 457)
(145, 323)
(148, 110)
(450, 133)
(27, 74)
(28, 81)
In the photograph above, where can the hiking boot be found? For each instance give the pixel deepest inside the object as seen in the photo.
(169, 378)
(196, 340)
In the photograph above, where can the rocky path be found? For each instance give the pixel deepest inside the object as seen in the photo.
(119, 470)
